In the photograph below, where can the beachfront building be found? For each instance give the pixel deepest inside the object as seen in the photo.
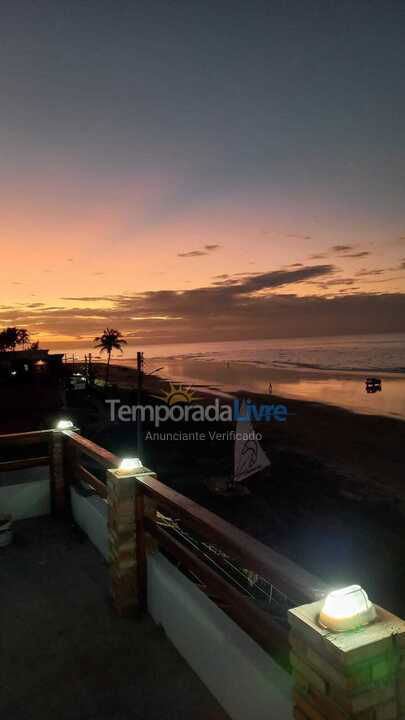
(31, 385)
(26, 365)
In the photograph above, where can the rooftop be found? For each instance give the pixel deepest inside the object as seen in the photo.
(67, 654)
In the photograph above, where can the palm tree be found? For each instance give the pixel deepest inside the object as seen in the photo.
(107, 342)
(23, 337)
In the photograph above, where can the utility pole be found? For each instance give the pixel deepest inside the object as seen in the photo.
(139, 438)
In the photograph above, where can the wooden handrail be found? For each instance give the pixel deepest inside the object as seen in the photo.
(101, 455)
(299, 585)
(27, 438)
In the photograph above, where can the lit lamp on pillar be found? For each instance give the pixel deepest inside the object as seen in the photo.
(64, 425)
(347, 609)
(348, 658)
(129, 466)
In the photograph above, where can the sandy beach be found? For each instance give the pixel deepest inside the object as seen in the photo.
(333, 500)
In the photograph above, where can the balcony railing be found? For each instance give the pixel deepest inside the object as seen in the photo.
(251, 582)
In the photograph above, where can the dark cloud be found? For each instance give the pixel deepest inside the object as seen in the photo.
(341, 248)
(333, 283)
(228, 281)
(351, 289)
(221, 277)
(317, 257)
(278, 278)
(295, 265)
(197, 253)
(300, 237)
(358, 255)
(192, 253)
(238, 307)
(229, 314)
(365, 273)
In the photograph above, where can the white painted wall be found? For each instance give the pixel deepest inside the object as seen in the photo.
(245, 680)
(25, 493)
(90, 513)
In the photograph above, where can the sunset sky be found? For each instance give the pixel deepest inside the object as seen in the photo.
(189, 171)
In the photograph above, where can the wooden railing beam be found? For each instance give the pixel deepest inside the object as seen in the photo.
(299, 585)
(258, 623)
(28, 438)
(89, 448)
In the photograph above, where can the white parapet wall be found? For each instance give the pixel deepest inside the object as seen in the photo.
(90, 513)
(25, 493)
(245, 680)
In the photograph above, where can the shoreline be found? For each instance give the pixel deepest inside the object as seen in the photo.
(345, 389)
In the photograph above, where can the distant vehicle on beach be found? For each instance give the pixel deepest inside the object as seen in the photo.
(373, 385)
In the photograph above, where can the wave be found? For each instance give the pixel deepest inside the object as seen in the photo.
(345, 368)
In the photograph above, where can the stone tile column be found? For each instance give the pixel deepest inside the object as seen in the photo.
(353, 675)
(61, 470)
(122, 535)
(57, 472)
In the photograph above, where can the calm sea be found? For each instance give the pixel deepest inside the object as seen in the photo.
(382, 353)
(328, 369)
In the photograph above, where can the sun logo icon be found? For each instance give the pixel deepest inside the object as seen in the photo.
(176, 394)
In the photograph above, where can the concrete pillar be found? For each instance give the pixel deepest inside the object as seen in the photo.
(124, 555)
(353, 675)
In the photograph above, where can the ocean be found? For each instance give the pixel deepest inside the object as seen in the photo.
(364, 353)
(322, 369)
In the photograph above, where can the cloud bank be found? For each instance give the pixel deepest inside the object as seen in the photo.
(259, 305)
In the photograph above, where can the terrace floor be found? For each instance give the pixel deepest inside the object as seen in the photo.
(66, 655)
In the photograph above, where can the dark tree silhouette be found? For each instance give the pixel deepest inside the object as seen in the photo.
(12, 336)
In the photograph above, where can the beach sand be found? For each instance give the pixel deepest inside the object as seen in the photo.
(333, 500)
